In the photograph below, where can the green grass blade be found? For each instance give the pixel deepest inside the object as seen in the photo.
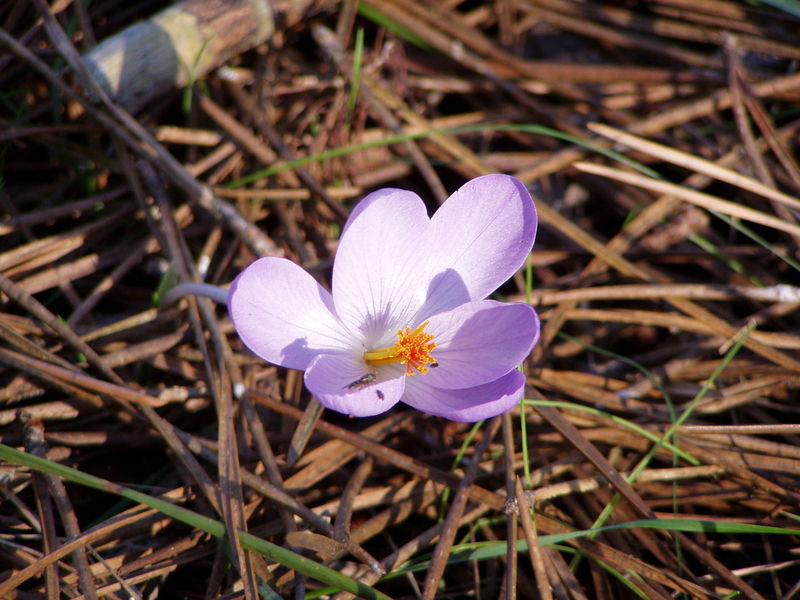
(619, 420)
(403, 137)
(404, 33)
(477, 551)
(790, 6)
(457, 461)
(272, 551)
(355, 80)
(486, 550)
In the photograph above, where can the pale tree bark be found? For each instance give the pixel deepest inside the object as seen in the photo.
(181, 43)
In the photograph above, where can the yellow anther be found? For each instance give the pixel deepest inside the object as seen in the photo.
(412, 349)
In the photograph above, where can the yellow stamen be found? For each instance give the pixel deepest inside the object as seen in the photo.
(411, 349)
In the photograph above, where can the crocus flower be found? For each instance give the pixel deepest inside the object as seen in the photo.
(407, 319)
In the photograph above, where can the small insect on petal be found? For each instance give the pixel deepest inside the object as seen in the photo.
(379, 394)
(363, 381)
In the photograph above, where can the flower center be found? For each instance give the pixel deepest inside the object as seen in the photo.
(411, 349)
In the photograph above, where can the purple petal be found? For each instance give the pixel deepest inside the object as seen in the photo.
(342, 382)
(379, 268)
(469, 405)
(479, 342)
(283, 315)
(483, 233)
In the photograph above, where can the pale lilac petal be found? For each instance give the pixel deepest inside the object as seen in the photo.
(342, 382)
(378, 275)
(283, 315)
(469, 405)
(479, 342)
(483, 233)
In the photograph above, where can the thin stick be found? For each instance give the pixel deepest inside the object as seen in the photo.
(534, 549)
(451, 524)
(697, 198)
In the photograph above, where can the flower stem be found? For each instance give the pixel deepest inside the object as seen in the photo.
(206, 290)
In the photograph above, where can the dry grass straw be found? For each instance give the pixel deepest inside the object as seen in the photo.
(667, 285)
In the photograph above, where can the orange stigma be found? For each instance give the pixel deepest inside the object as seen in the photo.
(412, 349)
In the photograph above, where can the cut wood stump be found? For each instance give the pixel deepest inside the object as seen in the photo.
(177, 45)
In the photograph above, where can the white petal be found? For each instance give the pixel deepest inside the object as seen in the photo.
(379, 276)
(471, 404)
(283, 315)
(483, 233)
(343, 383)
(480, 341)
